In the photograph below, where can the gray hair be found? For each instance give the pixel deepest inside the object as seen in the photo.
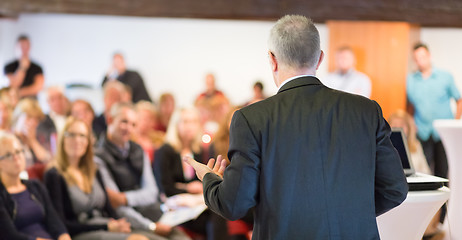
(117, 108)
(294, 40)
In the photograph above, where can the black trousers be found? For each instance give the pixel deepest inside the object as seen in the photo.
(436, 156)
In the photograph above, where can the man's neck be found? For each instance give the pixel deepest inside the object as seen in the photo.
(427, 72)
(115, 141)
(290, 73)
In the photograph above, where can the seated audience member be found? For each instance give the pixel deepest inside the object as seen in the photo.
(166, 108)
(242, 228)
(113, 92)
(26, 211)
(145, 135)
(51, 125)
(25, 75)
(5, 116)
(174, 176)
(401, 119)
(119, 72)
(345, 77)
(26, 117)
(128, 175)
(212, 105)
(82, 110)
(258, 94)
(10, 96)
(77, 191)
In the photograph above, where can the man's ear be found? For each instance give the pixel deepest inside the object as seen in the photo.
(273, 61)
(109, 119)
(321, 57)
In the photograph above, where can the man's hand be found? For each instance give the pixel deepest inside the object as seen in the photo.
(217, 167)
(162, 229)
(116, 199)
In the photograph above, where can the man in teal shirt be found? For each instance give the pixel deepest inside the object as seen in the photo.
(430, 91)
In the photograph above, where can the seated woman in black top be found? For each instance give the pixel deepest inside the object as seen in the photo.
(26, 211)
(77, 191)
(174, 176)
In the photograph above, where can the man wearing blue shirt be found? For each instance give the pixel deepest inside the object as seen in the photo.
(430, 91)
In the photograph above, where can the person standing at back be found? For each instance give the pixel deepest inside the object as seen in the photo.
(315, 163)
(430, 91)
(25, 75)
(119, 72)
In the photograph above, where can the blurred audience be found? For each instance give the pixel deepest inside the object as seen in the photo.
(345, 77)
(25, 75)
(26, 117)
(113, 92)
(128, 175)
(174, 176)
(212, 105)
(166, 108)
(6, 113)
(51, 125)
(145, 134)
(258, 93)
(10, 96)
(77, 190)
(118, 71)
(26, 211)
(82, 110)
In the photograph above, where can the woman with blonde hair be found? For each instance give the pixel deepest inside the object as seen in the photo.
(174, 176)
(77, 190)
(145, 134)
(26, 117)
(26, 211)
(402, 119)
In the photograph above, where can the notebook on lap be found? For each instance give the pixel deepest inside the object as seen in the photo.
(416, 181)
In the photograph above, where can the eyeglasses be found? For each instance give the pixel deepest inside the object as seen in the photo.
(10, 156)
(75, 135)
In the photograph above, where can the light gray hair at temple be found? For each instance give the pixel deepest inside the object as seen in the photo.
(295, 42)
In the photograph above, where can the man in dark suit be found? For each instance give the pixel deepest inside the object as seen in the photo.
(315, 163)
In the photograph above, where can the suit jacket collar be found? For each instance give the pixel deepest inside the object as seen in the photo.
(299, 82)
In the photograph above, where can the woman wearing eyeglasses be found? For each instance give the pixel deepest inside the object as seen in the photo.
(77, 190)
(26, 211)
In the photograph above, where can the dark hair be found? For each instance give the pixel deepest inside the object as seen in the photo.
(420, 45)
(258, 85)
(23, 37)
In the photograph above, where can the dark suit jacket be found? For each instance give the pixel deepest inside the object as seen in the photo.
(315, 162)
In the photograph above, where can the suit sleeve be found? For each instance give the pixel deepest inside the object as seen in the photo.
(390, 182)
(233, 196)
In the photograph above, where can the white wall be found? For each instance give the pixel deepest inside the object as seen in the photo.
(172, 54)
(445, 47)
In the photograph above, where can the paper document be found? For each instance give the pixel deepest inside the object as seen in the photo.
(182, 215)
(182, 208)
